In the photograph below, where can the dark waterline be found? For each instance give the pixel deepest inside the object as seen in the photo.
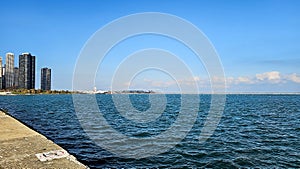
(255, 131)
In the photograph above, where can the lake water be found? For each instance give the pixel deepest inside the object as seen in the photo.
(254, 131)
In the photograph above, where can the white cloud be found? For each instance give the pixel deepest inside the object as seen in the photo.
(159, 83)
(245, 80)
(126, 84)
(196, 78)
(216, 79)
(273, 77)
(294, 78)
(239, 80)
(230, 80)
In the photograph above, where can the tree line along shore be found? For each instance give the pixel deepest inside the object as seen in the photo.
(37, 91)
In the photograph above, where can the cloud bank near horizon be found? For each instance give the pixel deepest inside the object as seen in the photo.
(260, 81)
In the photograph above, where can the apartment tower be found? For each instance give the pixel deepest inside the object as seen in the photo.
(16, 78)
(9, 70)
(26, 71)
(1, 73)
(46, 79)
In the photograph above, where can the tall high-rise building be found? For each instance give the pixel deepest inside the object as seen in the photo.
(16, 78)
(1, 72)
(3, 77)
(9, 70)
(45, 79)
(26, 71)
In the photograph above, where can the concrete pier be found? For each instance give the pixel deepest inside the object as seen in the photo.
(19, 144)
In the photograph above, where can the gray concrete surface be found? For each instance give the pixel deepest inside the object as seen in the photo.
(19, 144)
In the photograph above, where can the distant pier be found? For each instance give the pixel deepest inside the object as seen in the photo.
(20, 146)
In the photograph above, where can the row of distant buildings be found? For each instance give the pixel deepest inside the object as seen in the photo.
(22, 77)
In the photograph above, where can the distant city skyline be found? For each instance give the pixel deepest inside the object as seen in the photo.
(22, 74)
(257, 41)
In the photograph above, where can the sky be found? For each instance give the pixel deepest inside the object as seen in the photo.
(258, 41)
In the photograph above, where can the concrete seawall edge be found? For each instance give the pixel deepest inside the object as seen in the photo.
(19, 145)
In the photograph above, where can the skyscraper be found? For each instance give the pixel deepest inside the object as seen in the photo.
(45, 79)
(0, 72)
(9, 70)
(16, 77)
(26, 71)
(3, 77)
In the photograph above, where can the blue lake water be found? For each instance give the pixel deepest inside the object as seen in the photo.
(254, 131)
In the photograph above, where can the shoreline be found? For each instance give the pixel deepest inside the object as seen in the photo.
(29, 94)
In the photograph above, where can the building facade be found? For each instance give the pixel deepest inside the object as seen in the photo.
(1, 73)
(3, 77)
(9, 70)
(46, 79)
(26, 71)
(16, 78)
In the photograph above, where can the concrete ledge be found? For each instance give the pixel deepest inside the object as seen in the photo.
(19, 144)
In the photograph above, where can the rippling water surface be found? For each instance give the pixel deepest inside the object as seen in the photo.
(255, 130)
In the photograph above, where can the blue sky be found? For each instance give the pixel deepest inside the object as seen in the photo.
(258, 41)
